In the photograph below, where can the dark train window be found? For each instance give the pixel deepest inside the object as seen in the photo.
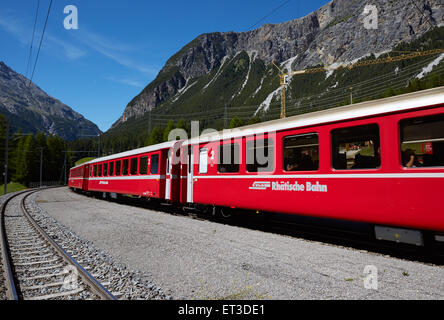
(95, 170)
(91, 171)
(143, 166)
(100, 170)
(260, 155)
(301, 152)
(125, 165)
(118, 166)
(105, 169)
(154, 164)
(422, 142)
(134, 166)
(356, 147)
(111, 168)
(228, 159)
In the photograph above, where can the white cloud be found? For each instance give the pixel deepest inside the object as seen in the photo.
(126, 81)
(118, 52)
(51, 44)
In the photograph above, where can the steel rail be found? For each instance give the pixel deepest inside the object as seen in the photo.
(95, 286)
(11, 289)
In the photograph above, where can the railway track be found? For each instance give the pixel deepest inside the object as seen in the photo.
(34, 266)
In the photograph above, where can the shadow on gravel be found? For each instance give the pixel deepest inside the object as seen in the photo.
(352, 235)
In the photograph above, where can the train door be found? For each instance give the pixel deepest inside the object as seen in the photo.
(168, 176)
(85, 177)
(190, 175)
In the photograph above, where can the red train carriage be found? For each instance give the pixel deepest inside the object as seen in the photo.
(77, 177)
(379, 162)
(141, 172)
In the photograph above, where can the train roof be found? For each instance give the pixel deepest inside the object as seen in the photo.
(160, 146)
(398, 103)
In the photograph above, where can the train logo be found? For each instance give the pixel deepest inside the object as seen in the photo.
(259, 185)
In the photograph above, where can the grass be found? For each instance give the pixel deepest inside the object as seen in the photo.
(11, 187)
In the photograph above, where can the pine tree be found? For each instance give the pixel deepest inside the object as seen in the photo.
(235, 122)
(167, 130)
(155, 137)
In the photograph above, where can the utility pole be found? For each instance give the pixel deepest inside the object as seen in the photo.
(100, 143)
(64, 166)
(225, 116)
(6, 154)
(351, 95)
(41, 165)
(149, 122)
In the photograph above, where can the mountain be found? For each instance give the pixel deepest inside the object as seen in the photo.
(29, 108)
(235, 69)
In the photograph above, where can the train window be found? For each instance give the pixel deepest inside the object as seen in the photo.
(125, 165)
(105, 169)
(118, 166)
(422, 142)
(95, 170)
(143, 166)
(91, 171)
(111, 168)
(100, 170)
(356, 147)
(228, 158)
(154, 164)
(203, 160)
(134, 166)
(260, 155)
(301, 152)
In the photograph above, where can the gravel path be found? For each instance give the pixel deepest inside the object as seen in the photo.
(194, 259)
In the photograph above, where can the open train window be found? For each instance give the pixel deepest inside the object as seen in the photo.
(118, 167)
(111, 168)
(105, 169)
(356, 147)
(203, 160)
(260, 155)
(154, 164)
(134, 166)
(143, 165)
(422, 141)
(125, 165)
(100, 170)
(95, 170)
(228, 161)
(301, 152)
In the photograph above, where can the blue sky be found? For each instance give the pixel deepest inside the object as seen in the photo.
(120, 46)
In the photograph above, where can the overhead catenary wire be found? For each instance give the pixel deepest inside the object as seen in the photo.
(269, 14)
(32, 39)
(41, 41)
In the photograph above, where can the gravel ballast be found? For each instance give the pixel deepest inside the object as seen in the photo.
(186, 258)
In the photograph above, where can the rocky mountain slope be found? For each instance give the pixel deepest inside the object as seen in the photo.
(28, 107)
(234, 69)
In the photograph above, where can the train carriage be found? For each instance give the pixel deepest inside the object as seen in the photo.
(345, 163)
(379, 162)
(141, 172)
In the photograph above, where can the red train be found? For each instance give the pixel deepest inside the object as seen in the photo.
(378, 162)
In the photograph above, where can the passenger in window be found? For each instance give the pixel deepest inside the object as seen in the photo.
(410, 159)
(306, 162)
